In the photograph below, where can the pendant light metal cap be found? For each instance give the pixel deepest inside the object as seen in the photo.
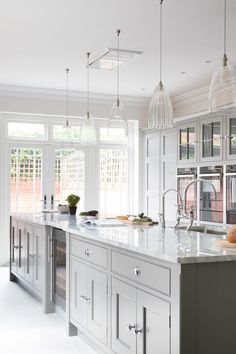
(160, 114)
(222, 92)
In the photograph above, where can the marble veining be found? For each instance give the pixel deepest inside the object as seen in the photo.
(176, 246)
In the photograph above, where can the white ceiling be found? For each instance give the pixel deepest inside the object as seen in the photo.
(39, 38)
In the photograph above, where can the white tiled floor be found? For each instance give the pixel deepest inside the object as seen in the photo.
(24, 329)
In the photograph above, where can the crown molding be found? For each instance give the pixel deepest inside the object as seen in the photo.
(74, 96)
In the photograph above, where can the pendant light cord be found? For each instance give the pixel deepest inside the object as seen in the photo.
(67, 97)
(118, 67)
(161, 34)
(225, 29)
(88, 108)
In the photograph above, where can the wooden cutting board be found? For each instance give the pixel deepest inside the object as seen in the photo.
(225, 244)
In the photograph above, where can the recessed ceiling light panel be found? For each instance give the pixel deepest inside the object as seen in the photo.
(108, 60)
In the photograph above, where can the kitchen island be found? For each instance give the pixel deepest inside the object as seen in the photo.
(133, 289)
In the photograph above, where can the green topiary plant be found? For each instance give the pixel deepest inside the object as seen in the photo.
(73, 200)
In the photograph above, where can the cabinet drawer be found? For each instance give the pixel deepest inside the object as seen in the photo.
(89, 252)
(151, 275)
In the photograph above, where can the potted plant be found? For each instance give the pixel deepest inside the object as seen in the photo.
(73, 200)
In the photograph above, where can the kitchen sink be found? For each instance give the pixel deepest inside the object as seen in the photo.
(205, 230)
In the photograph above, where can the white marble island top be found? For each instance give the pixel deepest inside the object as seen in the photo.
(175, 246)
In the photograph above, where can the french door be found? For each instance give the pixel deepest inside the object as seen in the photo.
(42, 176)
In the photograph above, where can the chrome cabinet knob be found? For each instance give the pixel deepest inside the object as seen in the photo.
(137, 271)
(130, 327)
(87, 252)
(137, 331)
(85, 298)
(16, 247)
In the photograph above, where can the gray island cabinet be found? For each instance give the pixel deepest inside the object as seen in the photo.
(135, 290)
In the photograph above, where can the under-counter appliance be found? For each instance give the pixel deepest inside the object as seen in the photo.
(231, 194)
(59, 268)
(184, 177)
(211, 206)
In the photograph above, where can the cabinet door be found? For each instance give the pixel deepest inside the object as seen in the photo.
(38, 258)
(78, 293)
(14, 245)
(211, 140)
(123, 318)
(29, 259)
(187, 144)
(153, 323)
(21, 248)
(97, 304)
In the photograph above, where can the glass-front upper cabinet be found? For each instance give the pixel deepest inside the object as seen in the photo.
(211, 140)
(231, 138)
(187, 144)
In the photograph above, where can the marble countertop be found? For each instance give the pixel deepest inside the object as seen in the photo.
(175, 246)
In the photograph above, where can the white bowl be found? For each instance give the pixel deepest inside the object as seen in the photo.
(63, 209)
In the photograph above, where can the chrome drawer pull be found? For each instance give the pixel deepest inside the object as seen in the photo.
(137, 271)
(130, 328)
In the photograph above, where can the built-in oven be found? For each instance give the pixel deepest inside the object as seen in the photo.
(59, 268)
(211, 205)
(184, 177)
(231, 194)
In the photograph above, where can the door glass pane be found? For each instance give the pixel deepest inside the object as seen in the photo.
(69, 175)
(25, 180)
(191, 138)
(113, 182)
(207, 140)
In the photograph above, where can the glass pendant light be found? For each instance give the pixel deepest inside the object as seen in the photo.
(117, 117)
(88, 134)
(160, 114)
(67, 130)
(222, 93)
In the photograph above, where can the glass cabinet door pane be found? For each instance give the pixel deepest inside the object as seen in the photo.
(207, 148)
(183, 144)
(216, 139)
(207, 133)
(191, 140)
(183, 152)
(183, 136)
(232, 138)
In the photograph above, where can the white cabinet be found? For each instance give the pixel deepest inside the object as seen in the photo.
(29, 274)
(27, 253)
(140, 321)
(88, 299)
(21, 249)
(14, 245)
(38, 258)
(153, 320)
(123, 317)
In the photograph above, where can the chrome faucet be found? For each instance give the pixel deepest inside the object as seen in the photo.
(191, 215)
(162, 215)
